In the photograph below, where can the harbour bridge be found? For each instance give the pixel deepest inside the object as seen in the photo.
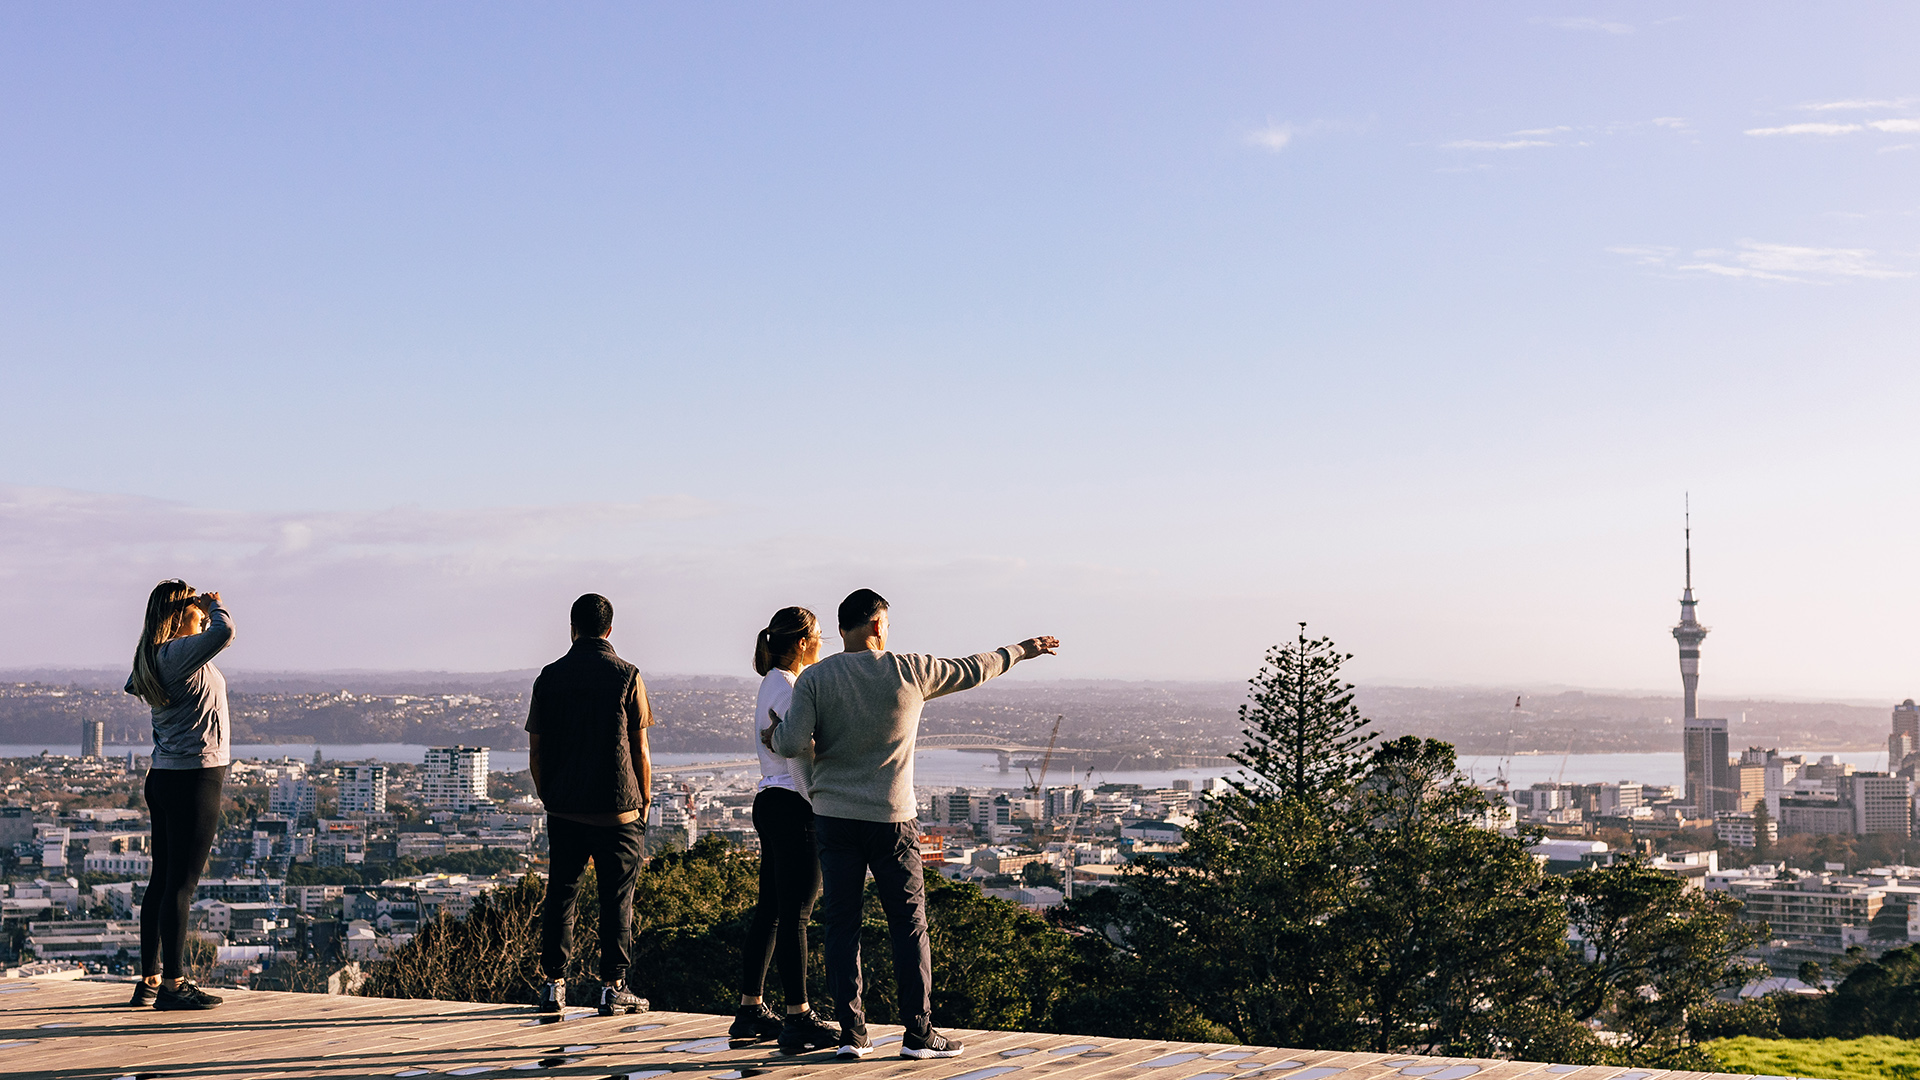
(1005, 749)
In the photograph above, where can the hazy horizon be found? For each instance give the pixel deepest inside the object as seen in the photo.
(241, 676)
(1157, 329)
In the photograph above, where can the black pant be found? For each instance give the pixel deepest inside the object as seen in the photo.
(184, 805)
(617, 852)
(891, 849)
(789, 882)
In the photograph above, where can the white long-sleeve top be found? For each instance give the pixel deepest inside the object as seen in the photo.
(776, 693)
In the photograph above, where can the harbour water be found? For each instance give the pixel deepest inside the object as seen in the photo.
(960, 768)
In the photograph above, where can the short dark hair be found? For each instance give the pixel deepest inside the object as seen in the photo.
(861, 607)
(593, 615)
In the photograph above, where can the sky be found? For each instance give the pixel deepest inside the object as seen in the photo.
(1157, 327)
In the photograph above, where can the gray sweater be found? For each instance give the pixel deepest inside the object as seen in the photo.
(860, 711)
(191, 732)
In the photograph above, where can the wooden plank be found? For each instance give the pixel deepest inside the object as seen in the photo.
(273, 1035)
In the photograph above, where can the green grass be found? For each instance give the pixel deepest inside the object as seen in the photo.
(1876, 1057)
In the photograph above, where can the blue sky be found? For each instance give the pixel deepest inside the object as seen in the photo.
(1157, 327)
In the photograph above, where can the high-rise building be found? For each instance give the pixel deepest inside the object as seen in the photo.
(1711, 784)
(93, 737)
(363, 789)
(1881, 803)
(1704, 744)
(456, 777)
(1904, 743)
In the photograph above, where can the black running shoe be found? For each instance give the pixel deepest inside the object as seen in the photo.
(185, 996)
(932, 1045)
(616, 999)
(752, 1024)
(553, 996)
(853, 1043)
(806, 1031)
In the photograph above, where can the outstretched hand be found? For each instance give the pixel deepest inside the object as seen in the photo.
(1038, 646)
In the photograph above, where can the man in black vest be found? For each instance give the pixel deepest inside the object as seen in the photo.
(587, 728)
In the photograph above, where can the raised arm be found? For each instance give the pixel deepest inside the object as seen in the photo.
(194, 651)
(939, 677)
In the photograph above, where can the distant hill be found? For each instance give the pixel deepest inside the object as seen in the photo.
(708, 713)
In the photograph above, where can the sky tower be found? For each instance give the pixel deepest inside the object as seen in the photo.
(1703, 743)
(1689, 633)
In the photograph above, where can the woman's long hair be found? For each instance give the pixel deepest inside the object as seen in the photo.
(779, 644)
(167, 607)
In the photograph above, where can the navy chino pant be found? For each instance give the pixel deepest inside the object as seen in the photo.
(891, 849)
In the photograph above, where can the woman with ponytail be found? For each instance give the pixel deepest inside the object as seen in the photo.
(173, 673)
(789, 865)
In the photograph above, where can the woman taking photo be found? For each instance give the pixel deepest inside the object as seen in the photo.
(173, 672)
(789, 865)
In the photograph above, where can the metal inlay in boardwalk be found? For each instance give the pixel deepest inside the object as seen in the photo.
(86, 1030)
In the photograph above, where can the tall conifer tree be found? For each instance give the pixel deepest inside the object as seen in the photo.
(1306, 739)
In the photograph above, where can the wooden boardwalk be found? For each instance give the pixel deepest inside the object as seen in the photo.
(86, 1030)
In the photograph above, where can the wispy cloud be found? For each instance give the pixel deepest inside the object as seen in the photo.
(1646, 255)
(1584, 25)
(1856, 104)
(1568, 135)
(1807, 129)
(1274, 137)
(53, 517)
(1761, 261)
(1496, 144)
(1900, 126)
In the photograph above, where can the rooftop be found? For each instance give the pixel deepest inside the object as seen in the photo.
(78, 1030)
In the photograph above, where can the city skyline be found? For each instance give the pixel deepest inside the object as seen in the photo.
(1155, 331)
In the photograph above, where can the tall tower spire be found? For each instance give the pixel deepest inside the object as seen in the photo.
(1689, 633)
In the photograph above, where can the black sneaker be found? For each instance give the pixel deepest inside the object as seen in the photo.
(931, 1045)
(143, 994)
(752, 1024)
(806, 1031)
(185, 996)
(553, 996)
(616, 999)
(853, 1043)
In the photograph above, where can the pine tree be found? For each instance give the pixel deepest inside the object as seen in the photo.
(1305, 737)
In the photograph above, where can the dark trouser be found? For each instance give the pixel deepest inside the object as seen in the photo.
(789, 882)
(184, 805)
(617, 852)
(891, 849)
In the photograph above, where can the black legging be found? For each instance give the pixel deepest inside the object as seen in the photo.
(789, 884)
(185, 807)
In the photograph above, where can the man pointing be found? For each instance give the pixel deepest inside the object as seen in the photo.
(860, 711)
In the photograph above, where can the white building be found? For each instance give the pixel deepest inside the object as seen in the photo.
(671, 811)
(456, 778)
(363, 789)
(1739, 828)
(110, 862)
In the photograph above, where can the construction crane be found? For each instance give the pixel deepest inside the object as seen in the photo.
(1046, 762)
(1506, 757)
